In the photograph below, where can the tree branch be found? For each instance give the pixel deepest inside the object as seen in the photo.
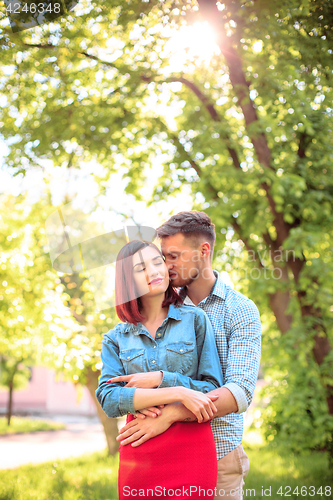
(211, 110)
(51, 46)
(201, 96)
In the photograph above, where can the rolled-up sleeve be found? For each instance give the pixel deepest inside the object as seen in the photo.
(114, 399)
(209, 374)
(243, 354)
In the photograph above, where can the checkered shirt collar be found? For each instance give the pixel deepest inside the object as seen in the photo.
(218, 288)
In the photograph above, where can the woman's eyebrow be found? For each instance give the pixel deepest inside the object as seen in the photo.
(143, 263)
(139, 264)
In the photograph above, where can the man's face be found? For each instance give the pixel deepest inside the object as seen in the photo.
(182, 260)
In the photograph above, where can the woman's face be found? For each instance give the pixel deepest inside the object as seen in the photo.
(150, 273)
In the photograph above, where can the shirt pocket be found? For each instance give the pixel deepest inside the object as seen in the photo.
(132, 360)
(179, 356)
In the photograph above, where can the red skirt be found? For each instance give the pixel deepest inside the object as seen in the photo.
(180, 463)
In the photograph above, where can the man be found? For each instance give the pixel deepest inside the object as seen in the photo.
(187, 242)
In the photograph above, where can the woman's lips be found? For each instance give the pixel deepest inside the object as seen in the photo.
(155, 282)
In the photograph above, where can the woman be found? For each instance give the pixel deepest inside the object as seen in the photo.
(170, 346)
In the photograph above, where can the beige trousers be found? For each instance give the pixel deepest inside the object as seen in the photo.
(232, 470)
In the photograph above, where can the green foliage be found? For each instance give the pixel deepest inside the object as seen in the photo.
(44, 318)
(257, 153)
(77, 348)
(297, 408)
(26, 293)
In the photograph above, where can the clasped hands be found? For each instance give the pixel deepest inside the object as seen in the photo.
(201, 405)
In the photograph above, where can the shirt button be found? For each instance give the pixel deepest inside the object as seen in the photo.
(154, 346)
(128, 357)
(181, 350)
(153, 361)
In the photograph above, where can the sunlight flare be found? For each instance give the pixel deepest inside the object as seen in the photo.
(192, 42)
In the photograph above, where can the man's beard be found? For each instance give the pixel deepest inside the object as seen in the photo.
(178, 281)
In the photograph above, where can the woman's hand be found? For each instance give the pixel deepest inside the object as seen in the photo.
(201, 405)
(148, 380)
(152, 411)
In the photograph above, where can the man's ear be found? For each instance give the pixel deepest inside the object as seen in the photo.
(205, 249)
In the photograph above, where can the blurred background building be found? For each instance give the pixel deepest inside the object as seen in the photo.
(49, 393)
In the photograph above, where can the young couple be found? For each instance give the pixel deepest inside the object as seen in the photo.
(183, 366)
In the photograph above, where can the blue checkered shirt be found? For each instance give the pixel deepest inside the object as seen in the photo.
(236, 324)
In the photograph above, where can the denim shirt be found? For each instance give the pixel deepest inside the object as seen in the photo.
(184, 349)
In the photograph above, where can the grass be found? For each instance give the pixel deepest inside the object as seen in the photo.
(90, 477)
(94, 476)
(22, 424)
(278, 473)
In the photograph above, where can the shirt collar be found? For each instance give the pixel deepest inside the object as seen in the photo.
(218, 290)
(219, 287)
(172, 313)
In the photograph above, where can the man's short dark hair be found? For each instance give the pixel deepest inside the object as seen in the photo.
(193, 225)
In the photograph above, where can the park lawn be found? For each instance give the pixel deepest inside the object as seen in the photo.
(23, 424)
(89, 477)
(277, 473)
(94, 477)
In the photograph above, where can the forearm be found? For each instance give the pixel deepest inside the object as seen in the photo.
(225, 404)
(144, 398)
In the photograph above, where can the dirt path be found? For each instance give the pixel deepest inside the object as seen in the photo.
(78, 438)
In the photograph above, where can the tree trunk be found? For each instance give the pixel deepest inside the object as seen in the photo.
(278, 301)
(109, 424)
(10, 402)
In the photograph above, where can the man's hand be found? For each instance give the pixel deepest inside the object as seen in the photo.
(201, 405)
(139, 431)
(148, 380)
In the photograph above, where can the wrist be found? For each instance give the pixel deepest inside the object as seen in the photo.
(159, 378)
(181, 392)
(172, 412)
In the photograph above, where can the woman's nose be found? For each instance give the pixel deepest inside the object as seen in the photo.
(152, 271)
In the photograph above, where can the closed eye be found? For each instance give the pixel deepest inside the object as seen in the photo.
(172, 257)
